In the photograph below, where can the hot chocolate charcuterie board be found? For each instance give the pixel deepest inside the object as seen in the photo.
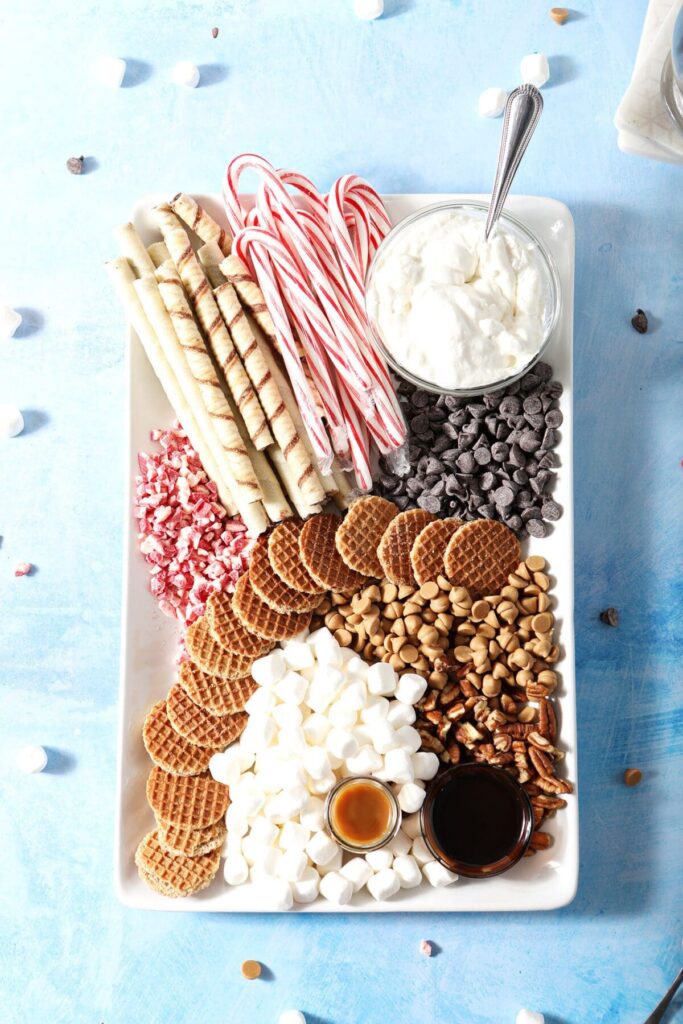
(433, 628)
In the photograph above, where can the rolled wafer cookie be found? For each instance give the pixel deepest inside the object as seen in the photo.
(229, 446)
(133, 248)
(209, 316)
(123, 280)
(201, 222)
(158, 253)
(210, 257)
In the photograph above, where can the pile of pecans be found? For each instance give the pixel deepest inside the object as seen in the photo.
(489, 664)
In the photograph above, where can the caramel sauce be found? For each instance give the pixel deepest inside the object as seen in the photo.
(361, 813)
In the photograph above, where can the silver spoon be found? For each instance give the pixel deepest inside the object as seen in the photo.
(522, 111)
(660, 1009)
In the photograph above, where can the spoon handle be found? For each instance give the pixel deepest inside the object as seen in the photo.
(658, 1012)
(522, 111)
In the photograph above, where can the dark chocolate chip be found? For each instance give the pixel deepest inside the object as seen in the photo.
(536, 528)
(429, 503)
(553, 418)
(610, 616)
(551, 511)
(639, 321)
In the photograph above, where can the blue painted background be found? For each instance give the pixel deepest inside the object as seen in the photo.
(315, 89)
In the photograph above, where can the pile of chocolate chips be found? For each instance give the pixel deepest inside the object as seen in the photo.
(483, 458)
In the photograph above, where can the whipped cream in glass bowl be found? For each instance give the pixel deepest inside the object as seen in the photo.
(454, 313)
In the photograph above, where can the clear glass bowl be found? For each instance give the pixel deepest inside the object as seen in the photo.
(511, 225)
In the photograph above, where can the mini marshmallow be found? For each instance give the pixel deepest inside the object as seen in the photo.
(259, 733)
(332, 865)
(411, 797)
(292, 688)
(292, 801)
(291, 1017)
(253, 850)
(263, 831)
(383, 737)
(421, 852)
(292, 865)
(293, 835)
(225, 767)
(267, 863)
(305, 889)
(410, 688)
(411, 825)
(11, 421)
(341, 715)
(355, 666)
(320, 848)
(246, 757)
(277, 894)
(292, 740)
(235, 870)
(408, 738)
(400, 714)
(232, 846)
(363, 734)
(312, 816)
(400, 844)
(438, 875)
(321, 787)
(376, 709)
(354, 695)
(186, 73)
(10, 322)
(323, 689)
(382, 679)
(358, 871)
(341, 743)
(365, 762)
(298, 655)
(492, 102)
(247, 797)
(235, 821)
(534, 68)
(269, 670)
(316, 728)
(529, 1017)
(316, 762)
(398, 766)
(288, 716)
(368, 10)
(110, 71)
(408, 871)
(261, 703)
(31, 760)
(335, 888)
(335, 762)
(384, 884)
(379, 860)
(425, 765)
(327, 650)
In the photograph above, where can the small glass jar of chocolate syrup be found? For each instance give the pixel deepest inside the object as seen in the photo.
(477, 820)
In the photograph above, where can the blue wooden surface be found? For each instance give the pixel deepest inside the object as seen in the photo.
(313, 88)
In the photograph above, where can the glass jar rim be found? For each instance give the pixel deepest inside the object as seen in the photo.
(391, 832)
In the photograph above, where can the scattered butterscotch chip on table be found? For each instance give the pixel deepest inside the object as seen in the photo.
(632, 776)
(251, 969)
(559, 14)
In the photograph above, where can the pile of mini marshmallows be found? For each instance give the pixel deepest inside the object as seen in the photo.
(321, 714)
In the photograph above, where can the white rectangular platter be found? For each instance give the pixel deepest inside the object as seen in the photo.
(149, 639)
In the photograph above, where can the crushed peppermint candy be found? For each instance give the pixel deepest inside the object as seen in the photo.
(191, 545)
(426, 948)
(23, 569)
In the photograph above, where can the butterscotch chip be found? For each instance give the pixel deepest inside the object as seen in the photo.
(318, 550)
(168, 749)
(210, 656)
(187, 802)
(251, 969)
(175, 876)
(361, 531)
(283, 552)
(481, 556)
(427, 553)
(255, 615)
(397, 542)
(216, 695)
(271, 588)
(191, 842)
(542, 623)
(429, 591)
(632, 776)
(227, 629)
(198, 725)
(535, 563)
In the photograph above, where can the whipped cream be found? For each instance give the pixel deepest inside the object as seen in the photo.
(455, 310)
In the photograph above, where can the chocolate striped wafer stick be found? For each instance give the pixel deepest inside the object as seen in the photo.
(220, 342)
(200, 365)
(158, 253)
(132, 247)
(201, 222)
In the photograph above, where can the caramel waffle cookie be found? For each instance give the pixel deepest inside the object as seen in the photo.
(168, 749)
(190, 802)
(318, 550)
(283, 552)
(358, 537)
(199, 726)
(481, 556)
(255, 615)
(217, 696)
(397, 543)
(171, 875)
(270, 588)
(227, 629)
(210, 656)
(191, 842)
(427, 553)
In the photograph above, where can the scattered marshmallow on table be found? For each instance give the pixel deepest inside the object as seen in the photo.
(492, 102)
(11, 421)
(368, 10)
(186, 73)
(10, 322)
(529, 1017)
(291, 1017)
(111, 71)
(31, 759)
(534, 69)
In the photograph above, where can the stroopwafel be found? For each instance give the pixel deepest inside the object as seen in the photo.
(283, 552)
(227, 629)
(210, 656)
(190, 802)
(323, 562)
(217, 696)
(481, 556)
(429, 548)
(172, 875)
(397, 542)
(168, 749)
(361, 530)
(256, 616)
(270, 588)
(191, 842)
